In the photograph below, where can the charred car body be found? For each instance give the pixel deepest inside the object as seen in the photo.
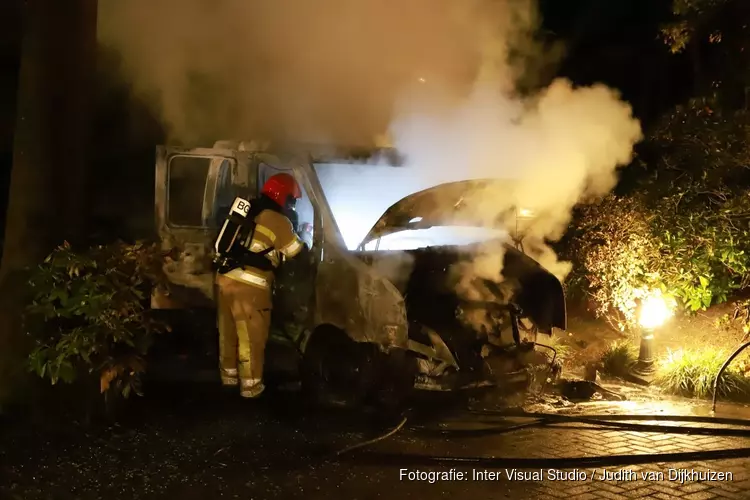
(371, 322)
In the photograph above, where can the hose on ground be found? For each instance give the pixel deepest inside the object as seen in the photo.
(546, 419)
(615, 421)
(489, 430)
(661, 418)
(608, 425)
(560, 463)
(369, 442)
(724, 367)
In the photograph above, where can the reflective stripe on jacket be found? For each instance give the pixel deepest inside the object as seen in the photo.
(272, 230)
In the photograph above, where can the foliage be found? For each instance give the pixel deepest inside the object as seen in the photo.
(691, 7)
(699, 206)
(690, 18)
(741, 314)
(704, 250)
(739, 317)
(698, 255)
(692, 373)
(562, 349)
(615, 254)
(698, 139)
(89, 315)
(677, 35)
(617, 358)
(683, 230)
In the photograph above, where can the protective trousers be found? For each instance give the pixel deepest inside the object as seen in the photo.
(244, 314)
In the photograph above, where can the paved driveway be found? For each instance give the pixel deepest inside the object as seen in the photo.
(202, 447)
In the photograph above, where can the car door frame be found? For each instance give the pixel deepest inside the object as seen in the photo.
(348, 294)
(190, 289)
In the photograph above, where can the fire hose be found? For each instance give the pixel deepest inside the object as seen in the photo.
(607, 422)
(549, 420)
(724, 367)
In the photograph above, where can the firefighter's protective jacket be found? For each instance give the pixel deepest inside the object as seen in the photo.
(275, 237)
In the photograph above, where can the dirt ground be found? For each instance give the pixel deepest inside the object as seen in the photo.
(588, 337)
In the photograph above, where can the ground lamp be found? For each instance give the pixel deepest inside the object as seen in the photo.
(654, 312)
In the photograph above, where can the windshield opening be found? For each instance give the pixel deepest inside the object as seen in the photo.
(434, 237)
(358, 195)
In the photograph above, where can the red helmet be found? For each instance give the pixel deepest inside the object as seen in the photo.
(280, 187)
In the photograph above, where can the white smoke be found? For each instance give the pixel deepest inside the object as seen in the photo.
(442, 77)
(297, 70)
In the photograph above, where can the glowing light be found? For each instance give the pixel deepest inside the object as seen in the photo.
(398, 242)
(525, 212)
(654, 311)
(435, 236)
(422, 80)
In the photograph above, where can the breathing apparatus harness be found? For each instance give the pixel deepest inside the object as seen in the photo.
(232, 246)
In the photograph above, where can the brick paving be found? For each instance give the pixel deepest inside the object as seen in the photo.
(650, 481)
(645, 481)
(191, 454)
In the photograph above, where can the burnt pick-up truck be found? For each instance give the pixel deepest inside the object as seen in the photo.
(369, 324)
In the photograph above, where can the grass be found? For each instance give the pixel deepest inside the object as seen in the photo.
(617, 359)
(692, 373)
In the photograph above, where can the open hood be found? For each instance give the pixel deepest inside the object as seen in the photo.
(451, 204)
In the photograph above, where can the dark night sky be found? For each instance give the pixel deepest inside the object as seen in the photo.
(614, 41)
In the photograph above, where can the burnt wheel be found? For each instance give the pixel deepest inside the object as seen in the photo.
(397, 373)
(336, 371)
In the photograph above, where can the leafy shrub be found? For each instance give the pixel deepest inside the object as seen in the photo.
(615, 253)
(739, 317)
(704, 252)
(697, 255)
(682, 229)
(690, 17)
(89, 315)
(617, 358)
(692, 373)
(698, 203)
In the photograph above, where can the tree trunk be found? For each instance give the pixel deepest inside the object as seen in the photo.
(47, 201)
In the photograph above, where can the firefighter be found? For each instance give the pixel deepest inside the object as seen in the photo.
(255, 239)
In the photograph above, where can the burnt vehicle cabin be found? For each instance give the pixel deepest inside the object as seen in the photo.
(388, 302)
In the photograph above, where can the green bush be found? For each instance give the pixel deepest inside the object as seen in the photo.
(682, 229)
(615, 253)
(703, 246)
(89, 318)
(692, 373)
(697, 255)
(617, 358)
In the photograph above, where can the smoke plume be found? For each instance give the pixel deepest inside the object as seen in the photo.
(455, 85)
(297, 70)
